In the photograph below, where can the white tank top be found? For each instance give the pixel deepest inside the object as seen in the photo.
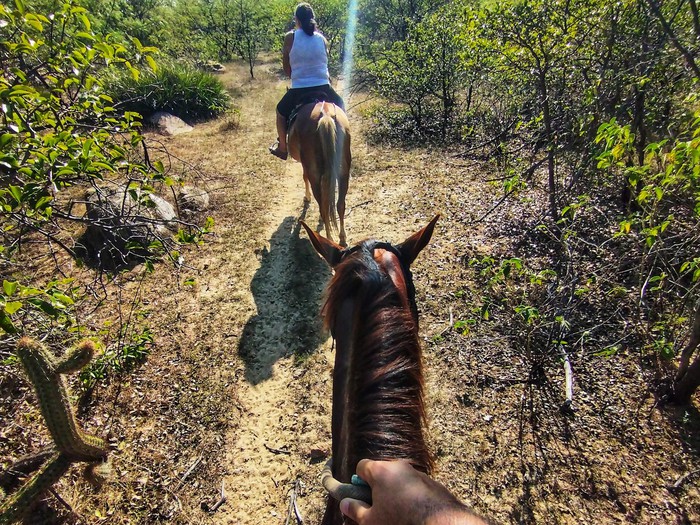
(308, 60)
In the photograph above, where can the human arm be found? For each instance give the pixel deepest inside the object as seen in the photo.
(286, 49)
(402, 495)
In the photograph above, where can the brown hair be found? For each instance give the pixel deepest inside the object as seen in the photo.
(304, 13)
(385, 376)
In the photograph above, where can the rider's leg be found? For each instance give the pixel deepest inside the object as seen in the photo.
(282, 132)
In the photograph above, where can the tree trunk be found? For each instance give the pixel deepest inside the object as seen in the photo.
(549, 135)
(670, 33)
(688, 377)
(684, 388)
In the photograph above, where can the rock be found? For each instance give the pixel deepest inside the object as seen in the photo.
(123, 224)
(168, 124)
(193, 200)
(317, 454)
(210, 65)
(164, 211)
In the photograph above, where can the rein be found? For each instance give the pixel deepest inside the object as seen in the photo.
(340, 491)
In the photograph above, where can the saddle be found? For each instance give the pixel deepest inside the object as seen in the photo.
(308, 98)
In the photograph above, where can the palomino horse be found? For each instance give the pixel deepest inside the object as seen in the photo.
(378, 410)
(320, 139)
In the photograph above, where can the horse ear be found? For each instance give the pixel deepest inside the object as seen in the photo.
(329, 250)
(412, 246)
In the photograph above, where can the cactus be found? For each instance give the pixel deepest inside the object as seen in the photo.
(15, 506)
(70, 442)
(44, 373)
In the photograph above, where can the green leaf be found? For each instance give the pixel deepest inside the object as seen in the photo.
(6, 323)
(12, 307)
(63, 298)
(85, 20)
(16, 193)
(10, 287)
(152, 63)
(46, 307)
(85, 36)
(42, 202)
(607, 351)
(87, 145)
(5, 139)
(33, 21)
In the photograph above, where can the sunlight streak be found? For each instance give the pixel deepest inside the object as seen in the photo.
(349, 49)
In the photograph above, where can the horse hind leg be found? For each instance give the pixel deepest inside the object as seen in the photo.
(341, 219)
(307, 195)
(343, 183)
(327, 226)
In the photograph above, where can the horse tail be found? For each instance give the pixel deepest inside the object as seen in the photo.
(329, 164)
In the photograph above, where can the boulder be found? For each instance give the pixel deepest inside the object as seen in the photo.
(192, 200)
(168, 124)
(123, 224)
(210, 65)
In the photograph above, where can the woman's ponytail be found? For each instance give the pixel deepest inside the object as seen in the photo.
(304, 13)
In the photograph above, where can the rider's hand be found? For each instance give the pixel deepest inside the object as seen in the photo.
(402, 495)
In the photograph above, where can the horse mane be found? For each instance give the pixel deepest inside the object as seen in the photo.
(385, 386)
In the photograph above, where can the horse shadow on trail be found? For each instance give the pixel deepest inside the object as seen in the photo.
(287, 289)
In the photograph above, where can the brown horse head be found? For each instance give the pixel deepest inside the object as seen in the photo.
(320, 140)
(378, 409)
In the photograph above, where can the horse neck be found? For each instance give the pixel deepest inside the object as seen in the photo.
(378, 410)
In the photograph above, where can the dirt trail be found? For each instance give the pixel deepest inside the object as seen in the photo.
(264, 451)
(284, 391)
(282, 435)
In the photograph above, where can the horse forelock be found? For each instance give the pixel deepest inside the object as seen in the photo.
(385, 384)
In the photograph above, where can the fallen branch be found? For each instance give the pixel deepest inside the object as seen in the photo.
(297, 513)
(218, 504)
(357, 206)
(449, 326)
(277, 450)
(61, 500)
(569, 380)
(293, 508)
(189, 471)
(682, 479)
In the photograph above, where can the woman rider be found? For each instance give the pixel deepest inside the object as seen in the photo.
(305, 60)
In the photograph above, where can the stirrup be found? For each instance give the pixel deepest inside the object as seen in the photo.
(275, 150)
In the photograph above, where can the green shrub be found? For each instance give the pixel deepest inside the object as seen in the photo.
(180, 90)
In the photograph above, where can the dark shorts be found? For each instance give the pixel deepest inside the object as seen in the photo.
(296, 96)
